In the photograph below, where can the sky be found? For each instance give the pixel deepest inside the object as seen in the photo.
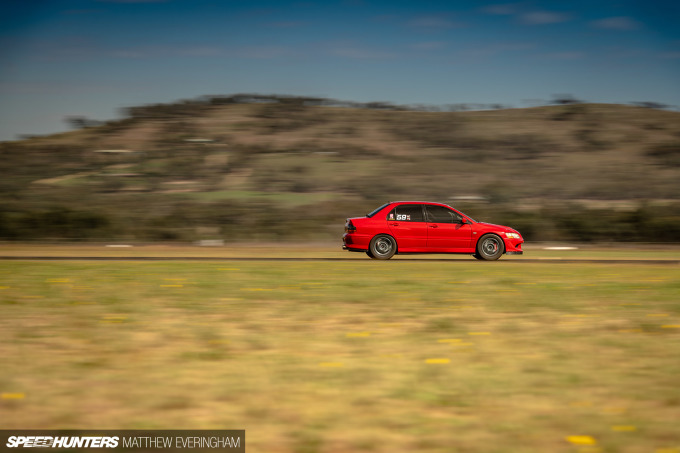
(93, 58)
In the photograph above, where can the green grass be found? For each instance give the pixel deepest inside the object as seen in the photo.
(349, 356)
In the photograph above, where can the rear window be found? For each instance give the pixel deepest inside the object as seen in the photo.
(407, 213)
(375, 211)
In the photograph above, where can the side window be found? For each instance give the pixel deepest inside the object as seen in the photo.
(440, 214)
(407, 213)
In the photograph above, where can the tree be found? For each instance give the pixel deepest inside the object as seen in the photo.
(81, 122)
(566, 99)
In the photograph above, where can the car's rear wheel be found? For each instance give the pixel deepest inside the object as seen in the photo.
(382, 247)
(489, 247)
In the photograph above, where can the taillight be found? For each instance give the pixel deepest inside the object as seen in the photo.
(349, 227)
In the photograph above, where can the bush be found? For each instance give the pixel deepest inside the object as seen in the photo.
(54, 223)
(666, 154)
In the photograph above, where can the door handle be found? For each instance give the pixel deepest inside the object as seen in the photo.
(394, 224)
(433, 226)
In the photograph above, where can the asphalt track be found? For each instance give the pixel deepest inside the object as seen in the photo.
(292, 259)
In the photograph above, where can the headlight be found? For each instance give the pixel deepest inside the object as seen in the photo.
(513, 235)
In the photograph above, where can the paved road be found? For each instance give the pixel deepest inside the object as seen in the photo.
(398, 260)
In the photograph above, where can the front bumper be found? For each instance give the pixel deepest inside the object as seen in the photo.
(513, 246)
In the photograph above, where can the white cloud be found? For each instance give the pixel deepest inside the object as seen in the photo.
(360, 53)
(544, 18)
(525, 16)
(286, 24)
(507, 9)
(262, 52)
(617, 23)
(249, 52)
(428, 45)
(568, 55)
(432, 23)
(128, 53)
(497, 48)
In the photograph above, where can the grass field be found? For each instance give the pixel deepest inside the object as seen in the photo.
(349, 356)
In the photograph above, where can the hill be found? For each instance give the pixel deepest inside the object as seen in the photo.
(269, 168)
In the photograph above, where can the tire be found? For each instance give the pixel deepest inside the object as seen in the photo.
(370, 255)
(490, 247)
(382, 247)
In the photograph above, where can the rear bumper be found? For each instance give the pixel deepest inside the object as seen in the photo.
(353, 249)
(355, 242)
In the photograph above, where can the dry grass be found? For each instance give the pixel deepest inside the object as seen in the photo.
(349, 356)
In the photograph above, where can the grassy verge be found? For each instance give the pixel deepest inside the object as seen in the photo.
(349, 356)
(323, 250)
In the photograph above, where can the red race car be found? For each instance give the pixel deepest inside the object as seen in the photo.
(424, 227)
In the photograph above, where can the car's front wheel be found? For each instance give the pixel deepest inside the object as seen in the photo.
(489, 248)
(382, 247)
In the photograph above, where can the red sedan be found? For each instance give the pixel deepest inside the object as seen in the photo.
(424, 227)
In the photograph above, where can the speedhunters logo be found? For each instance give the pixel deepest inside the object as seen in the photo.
(61, 442)
(125, 440)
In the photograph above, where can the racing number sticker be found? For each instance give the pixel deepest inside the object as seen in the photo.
(403, 217)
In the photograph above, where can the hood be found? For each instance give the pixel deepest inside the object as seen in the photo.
(497, 227)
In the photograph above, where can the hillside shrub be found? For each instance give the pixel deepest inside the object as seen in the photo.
(666, 153)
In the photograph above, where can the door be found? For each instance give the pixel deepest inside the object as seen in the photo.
(446, 231)
(408, 226)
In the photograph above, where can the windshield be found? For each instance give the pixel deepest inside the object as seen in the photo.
(473, 220)
(375, 211)
(462, 213)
